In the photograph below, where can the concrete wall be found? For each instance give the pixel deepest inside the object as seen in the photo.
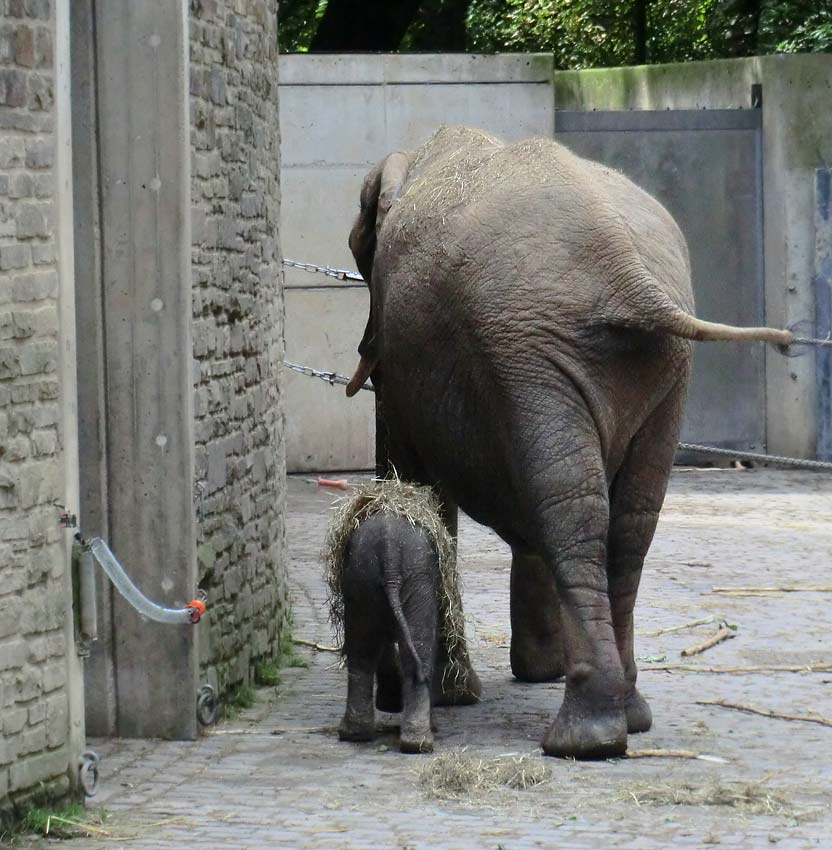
(41, 724)
(797, 139)
(238, 334)
(339, 115)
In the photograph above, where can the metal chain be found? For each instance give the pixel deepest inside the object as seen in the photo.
(779, 460)
(799, 463)
(345, 274)
(338, 274)
(329, 377)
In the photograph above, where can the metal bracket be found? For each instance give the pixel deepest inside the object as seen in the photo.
(207, 706)
(65, 518)
(88, 772)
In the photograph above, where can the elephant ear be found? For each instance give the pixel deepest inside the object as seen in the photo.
(382, 186)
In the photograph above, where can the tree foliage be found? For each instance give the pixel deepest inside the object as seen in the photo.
(580, 33)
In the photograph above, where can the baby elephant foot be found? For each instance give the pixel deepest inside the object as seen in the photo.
(356, 729)
(585, 730)
(413, 740)
(639, 716)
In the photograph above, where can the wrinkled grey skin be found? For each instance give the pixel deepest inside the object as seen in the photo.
(390, 587)
(528, 337)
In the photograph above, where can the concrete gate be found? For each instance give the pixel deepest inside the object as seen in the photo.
(705, 166)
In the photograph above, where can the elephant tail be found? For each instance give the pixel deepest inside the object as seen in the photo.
(680, 323)
(653, 310)
(392, 589)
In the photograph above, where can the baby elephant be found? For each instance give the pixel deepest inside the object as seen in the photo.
(390, 564)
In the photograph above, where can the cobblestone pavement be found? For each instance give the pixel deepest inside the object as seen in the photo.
(277, 776)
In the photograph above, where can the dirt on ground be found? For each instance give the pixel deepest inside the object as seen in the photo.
(277, 776)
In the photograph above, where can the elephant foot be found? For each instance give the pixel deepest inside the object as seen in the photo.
(356, 729)
(532, 661)
(638, 713)
(465, 690)
(583, 730)
(414, 740)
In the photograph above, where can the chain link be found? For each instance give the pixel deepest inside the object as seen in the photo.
(329, 377)
(338, 274)
(346, 274)
(778, 460)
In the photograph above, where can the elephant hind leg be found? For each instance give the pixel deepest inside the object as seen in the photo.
(573, 517)
(636, 498)
(536, 639)
(363, 645)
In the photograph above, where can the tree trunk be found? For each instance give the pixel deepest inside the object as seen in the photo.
(352, 26)
(640, 31)
(742, 26)
(440, 26)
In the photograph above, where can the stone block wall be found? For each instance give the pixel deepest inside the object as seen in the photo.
(238, 333)
(34, 700)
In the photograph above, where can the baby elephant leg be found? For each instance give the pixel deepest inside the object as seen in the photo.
(362, 647)
(417, 673)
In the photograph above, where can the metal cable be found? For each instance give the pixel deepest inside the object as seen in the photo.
(779, 460)
(338, 274)
(805, 340)
(799, 463)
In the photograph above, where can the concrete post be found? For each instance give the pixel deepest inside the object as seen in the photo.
(823, 307)
(136, 365)
(76, 733)
(99, 674)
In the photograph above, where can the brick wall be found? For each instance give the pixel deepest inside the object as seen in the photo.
(238, 332)
(34, 720)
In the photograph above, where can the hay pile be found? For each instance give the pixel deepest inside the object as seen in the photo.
(420, 507)
(747, 797)
(458, 774)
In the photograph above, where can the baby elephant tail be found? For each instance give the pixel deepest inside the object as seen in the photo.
(393, 597)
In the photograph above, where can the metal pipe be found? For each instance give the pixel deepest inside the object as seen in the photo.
(86, 593)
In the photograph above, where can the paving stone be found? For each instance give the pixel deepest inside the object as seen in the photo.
(278, 777)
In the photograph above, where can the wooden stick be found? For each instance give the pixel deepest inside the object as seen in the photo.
(788, 588)
(823, 721)
(672, 754)
(704, 622)
(316, 646)
(758, 668)
(745, 594)
(724, 633)
(88, 828)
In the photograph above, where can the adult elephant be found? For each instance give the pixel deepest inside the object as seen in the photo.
(529, 336)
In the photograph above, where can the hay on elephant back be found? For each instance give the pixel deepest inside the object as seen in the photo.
(421, 508)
